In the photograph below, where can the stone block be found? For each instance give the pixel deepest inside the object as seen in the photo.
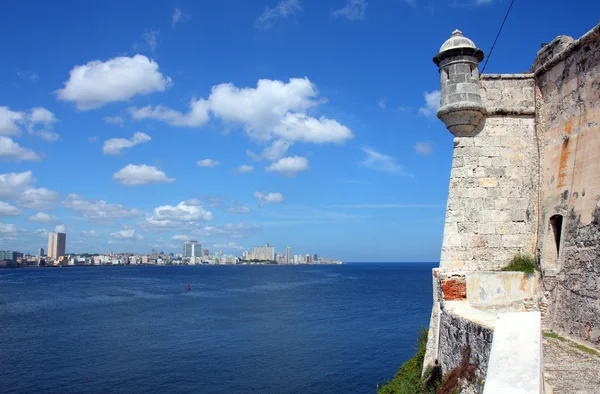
(488, 182)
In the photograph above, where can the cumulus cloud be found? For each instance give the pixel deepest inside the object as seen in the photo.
(12, 151)
(8, 210)
(99, 210)
(133, 175)
(268, 198)
(208, 163)
(181, 212)
(229, 245)
(17, 187)
(289, 166)
(382, 162)
(274, 110)
(180, 217)
(38, 121)
(432, 103)
(273, 152)
(127, 234)
(114, 146)
(244, 168)
(354, 10)
(8, 229)
(424, 148)
(180, 238)
(97, 83)
(61, 228)
(41, 232)
(41, 217)
(283, 10)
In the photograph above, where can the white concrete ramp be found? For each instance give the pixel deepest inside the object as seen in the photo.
(515, 364)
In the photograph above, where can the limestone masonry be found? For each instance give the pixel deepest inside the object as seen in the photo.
(525, 179)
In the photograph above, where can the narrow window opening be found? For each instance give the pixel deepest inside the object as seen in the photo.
(447, 74)
(471, 71)
(556, 223)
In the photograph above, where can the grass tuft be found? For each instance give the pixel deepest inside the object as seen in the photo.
(522, 263)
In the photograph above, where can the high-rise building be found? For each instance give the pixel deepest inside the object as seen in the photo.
(57, 243)
(315, 258)
(206, 252)
(287, 255)
(266, 252)
(41, 252)
(192, 249)
(8, 258)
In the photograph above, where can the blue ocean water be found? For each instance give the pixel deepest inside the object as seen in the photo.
(240, 329)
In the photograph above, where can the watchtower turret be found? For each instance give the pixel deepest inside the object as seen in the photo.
(461, 108)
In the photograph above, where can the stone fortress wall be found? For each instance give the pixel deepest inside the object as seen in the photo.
(525, 179)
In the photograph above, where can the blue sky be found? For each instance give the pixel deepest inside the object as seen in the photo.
(310, 124)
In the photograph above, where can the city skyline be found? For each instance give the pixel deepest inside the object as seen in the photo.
(328, 144)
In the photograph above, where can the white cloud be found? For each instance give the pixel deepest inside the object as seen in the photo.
(41, 217)
(99, 210)
(179, 16)
(229, 245)
(41, 232)
(150, 37)
(93, 138)
(196, 117)
(10, 121)
(272, 110)
(424, 148)
(8, 229)
(90, 233)
(432, 103)
(283, 10)
(16, 187)
(97, 83)
(114, 120)
(181, 212)
(41, 198)
(382, 103)
(238, 209)
(289, 165)
(273, 152)
(180, 238)
(14, 182)
(244, 168)
(61, 228)
(127, 234)
(208, 163)
(382, 162)
(354, 10)
(8, 210)
(12, 151)
(30, 75)
(268, 198)
(133, 175)
(37, 120)
(113, 146)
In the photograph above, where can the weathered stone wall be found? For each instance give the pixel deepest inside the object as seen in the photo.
(491, 212)
(457, 332)
(568, 118)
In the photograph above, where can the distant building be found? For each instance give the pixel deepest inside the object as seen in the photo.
(280, 258)
(315, 258)
(192, 249)
(206, 252)
(308, 259)
(8, 258)
(266, 252)
(287, 255)
(41, 252)
(57, 243)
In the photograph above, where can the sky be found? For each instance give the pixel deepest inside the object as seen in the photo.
(137, 125)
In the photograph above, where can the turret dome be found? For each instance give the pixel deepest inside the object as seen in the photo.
(457, 40)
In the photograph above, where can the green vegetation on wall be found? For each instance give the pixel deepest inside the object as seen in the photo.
(522, 263)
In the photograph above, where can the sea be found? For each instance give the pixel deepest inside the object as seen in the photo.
(239, 329)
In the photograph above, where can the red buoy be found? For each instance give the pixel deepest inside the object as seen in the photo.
(189, 287)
